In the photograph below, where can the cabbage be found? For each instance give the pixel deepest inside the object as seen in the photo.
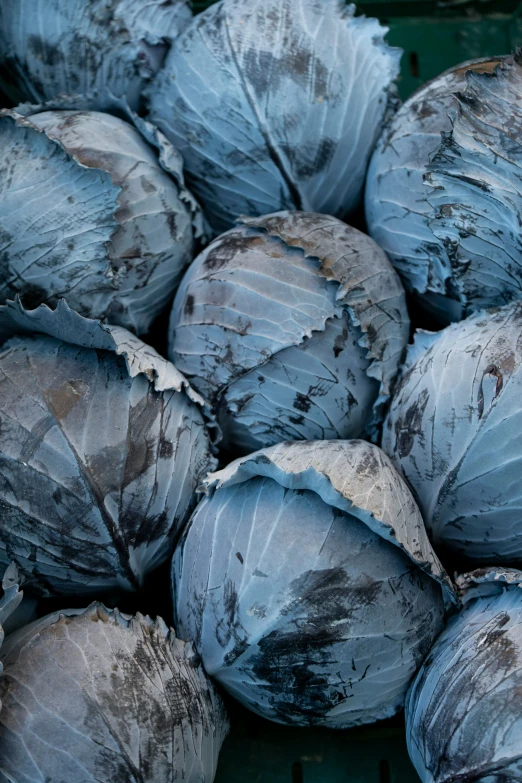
(102, 445)
(48, 47)
(448, 213)
(10, 603)
(308, 584)
(16, 609)
(293, 325)
(464, 721)
(96, 695)
(276, 104)
(454, 429)
(89, 212)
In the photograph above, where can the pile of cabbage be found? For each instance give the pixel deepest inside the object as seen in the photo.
(232, 468)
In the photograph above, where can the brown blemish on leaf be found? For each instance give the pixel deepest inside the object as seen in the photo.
(481, 67)
(63, 399)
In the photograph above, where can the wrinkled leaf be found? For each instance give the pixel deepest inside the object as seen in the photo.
(9, 603)
(96, 695)
(486, 582)
(87, 212)
(168, 156)
(422, 340)
(453, 429)
(353, 476)
(65, 324)
(293, 325)
(463, 709)
(11, 598)
(305, 580)
(276, 105)
(50, 47)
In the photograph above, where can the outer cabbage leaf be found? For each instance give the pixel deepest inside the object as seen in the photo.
(96, 695)
(486, 582)
(447, 213)
(463, 709)
(48, 47)
(100, 455)
(276, 105)
(293, 325)
(308, 585)
(66, 324)
(476, 189)
(168, 156)
(453, 429)
(422, 340)
(16, 609)
(88, 212)
(10, 602)
(397, 208)
(11, 598)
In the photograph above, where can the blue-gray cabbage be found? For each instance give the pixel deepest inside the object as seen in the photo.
(447, 212)
(276, 104)
(293, 325)
(454, 430)
(307, 582)
(92, 211)
(49, 47)
(95, 695)
(464, 709)
(102, 445)
(10, 603)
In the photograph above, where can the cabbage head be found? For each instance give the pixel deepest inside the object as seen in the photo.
(454, 430)
(307, 582)
(88, 211)
(463, 711)
(97, 695)
(447, 212)
(293, 325)
(49, 47)
(102, 445)
(276, 104)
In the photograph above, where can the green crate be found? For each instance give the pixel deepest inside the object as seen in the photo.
(436, 34)
(258, 751)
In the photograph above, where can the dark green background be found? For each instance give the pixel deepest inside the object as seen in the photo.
(261, 752)
(434, 36)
